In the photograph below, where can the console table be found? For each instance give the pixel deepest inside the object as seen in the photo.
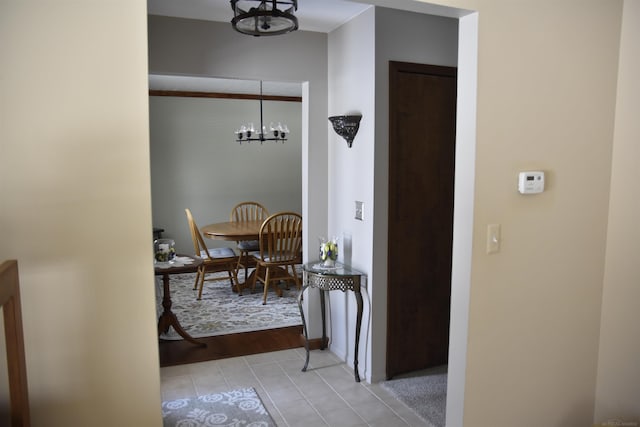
(168, 317)
(340, 278)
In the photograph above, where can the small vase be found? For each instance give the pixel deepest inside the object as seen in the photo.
(329, 263)
(328, 252)
(164, 250)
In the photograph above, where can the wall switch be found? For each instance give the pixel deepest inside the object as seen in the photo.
(493, 238)
(359, 210)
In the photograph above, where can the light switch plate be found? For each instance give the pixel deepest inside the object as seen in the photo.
(359, 210)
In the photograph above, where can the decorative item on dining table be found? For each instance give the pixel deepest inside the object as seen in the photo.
(328, 252)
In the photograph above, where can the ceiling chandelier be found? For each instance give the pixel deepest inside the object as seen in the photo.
(264, 17)
(277, 132)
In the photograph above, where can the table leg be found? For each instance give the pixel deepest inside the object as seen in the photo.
(358, 327)
(168, 317)
(304, 328)
(323, 344)
(238, 287)
(248, 280)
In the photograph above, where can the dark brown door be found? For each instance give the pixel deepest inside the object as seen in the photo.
(422, 119)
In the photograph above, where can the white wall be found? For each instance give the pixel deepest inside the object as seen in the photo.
(618, 385)
(196, 163)
(462, 215)
(350, 175)
(359, 53)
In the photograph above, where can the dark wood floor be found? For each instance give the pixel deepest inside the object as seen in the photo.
(232, 345)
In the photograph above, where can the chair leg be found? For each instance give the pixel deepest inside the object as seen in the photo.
(296, 279)
(241, 258)
(234, 272)
(195, 285)
(202, 274)
(255, 278)
(246, 265)
(266, 286)
(230, 274)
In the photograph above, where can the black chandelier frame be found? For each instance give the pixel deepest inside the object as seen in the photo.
(279, 135)
(267, 18)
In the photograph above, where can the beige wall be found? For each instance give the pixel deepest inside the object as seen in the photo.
(75, 207)
(618, 385)
(546, 97)
(74, 164)
(546, 100)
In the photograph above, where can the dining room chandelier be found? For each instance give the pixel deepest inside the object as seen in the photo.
(276, 132)
(264, 17)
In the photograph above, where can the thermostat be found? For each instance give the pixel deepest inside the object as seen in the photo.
(531, 182)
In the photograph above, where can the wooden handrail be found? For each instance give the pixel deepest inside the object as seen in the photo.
(16, 365)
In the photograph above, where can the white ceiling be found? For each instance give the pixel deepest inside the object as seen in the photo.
(313, 15)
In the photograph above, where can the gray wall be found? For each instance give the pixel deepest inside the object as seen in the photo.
(359, 52)
(196, 163)
(214, 49)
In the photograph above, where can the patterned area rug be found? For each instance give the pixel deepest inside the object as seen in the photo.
(241, 407)
(221, 311)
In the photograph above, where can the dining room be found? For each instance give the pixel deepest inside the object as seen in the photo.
(199, 163)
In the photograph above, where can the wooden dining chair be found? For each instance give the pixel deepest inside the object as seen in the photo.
(242, 212)
(280, 247)
(214, 260)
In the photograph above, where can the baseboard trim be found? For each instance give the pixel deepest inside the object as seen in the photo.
(315, 343)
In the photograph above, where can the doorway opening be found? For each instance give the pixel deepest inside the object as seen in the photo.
(421, 194)
(197, 163)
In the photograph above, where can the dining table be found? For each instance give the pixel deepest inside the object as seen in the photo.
(235, 231)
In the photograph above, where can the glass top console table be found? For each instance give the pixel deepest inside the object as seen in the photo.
(341, 278)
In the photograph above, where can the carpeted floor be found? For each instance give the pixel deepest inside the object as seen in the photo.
(221, 311)
(423, 391)
(241, 407)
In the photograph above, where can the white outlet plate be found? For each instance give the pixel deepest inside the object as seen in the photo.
(359, 210)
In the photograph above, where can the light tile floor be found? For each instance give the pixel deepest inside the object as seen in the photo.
(325, 395)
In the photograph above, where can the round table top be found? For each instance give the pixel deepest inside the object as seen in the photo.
(233, 230)
(338, 270)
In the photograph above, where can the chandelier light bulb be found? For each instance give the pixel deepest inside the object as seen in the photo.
(275, 132)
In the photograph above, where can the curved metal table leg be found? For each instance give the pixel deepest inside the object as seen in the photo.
(343, 280)
(304, 327)
(358, 327)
